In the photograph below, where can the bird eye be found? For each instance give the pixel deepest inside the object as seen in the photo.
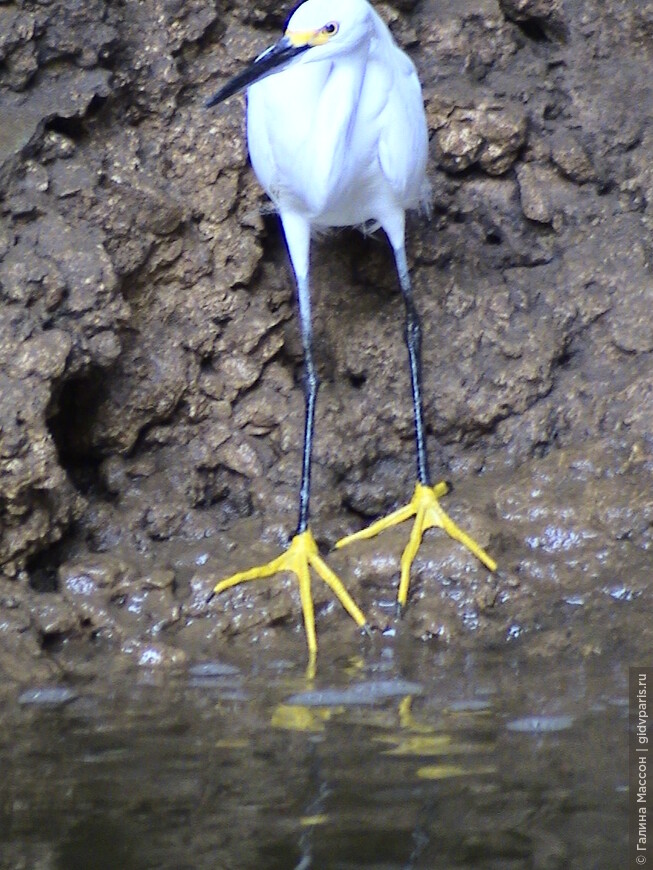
(331, 28)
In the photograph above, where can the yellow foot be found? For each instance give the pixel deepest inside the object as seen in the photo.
(301, 555)
(425, 507)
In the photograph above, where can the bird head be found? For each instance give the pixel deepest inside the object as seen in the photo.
(317, 30)
(333, 26)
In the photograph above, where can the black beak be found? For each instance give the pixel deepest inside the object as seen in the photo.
(263, 65)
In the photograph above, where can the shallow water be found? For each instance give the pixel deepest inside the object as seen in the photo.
(405, 758)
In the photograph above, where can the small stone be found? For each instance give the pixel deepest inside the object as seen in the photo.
(45, 355)
(241, 457)
(69, 177)
(239, 372)
(540, 724)
(54, 616)
(534, 193)
(572, 159)
(56, 146)
(154, 655)
(157, 578)
(459, 146)
(97, 571)
(104, 348)
(491, 136)
(208, 670)
(47, 696)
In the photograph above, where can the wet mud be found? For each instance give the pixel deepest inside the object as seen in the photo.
(150, 397)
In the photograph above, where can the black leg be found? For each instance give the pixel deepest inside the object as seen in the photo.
(414, 344)
(311, 384)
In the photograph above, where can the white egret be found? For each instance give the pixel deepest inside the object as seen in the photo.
(337, 137)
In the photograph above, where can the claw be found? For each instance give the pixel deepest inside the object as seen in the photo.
(425, 507)
(301, 555)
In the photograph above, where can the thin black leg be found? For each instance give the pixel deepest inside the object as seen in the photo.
(413, 337)
(311, 385)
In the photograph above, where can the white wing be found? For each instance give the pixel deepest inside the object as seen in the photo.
(403, 140)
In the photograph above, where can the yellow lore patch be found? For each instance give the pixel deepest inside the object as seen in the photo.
(299, 38)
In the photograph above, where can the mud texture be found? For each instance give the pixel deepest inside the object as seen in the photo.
(150, 392)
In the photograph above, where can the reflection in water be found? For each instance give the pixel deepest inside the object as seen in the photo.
(438, 762)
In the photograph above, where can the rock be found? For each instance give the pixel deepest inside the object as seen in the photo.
(47, 696)
(53, 616)
(240, 455)
(545, 196)
(157, 578)
(572, 158)
(534, 193)
(488, 136)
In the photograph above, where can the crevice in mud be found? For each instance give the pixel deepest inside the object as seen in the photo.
(75, 127)
(42, 568)
(214, 33)
(71, 414)
(357, 379)
(534, 30)
(541, 449)
(564, 358)
(53, 641)
(493, 236)
(222, 489)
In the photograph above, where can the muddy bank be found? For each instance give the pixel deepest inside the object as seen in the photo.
(149, 364)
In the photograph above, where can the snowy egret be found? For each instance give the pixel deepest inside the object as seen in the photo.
(337, 137)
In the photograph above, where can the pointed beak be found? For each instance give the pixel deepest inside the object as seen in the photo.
(272, 58)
